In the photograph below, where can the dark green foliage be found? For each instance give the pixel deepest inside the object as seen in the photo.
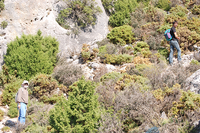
(31, 54)
(164, 4)
(2, 6)
(83, 13)
(80, 112)
(122, 35)
(123, 9)
(6, 77)
(4, 24)
(13, 112)
(10, 91)
(164, 52)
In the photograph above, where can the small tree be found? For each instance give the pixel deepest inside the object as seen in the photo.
(31, 54)
(80, 113)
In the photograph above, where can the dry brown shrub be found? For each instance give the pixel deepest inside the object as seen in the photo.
(67, 74)
(99, 73)
(141, 60)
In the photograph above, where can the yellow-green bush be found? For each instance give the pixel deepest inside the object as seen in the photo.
(189, 101)
(141, 60)
(164, 4)
(5, 129)
(196, 9)
(118, 59)
(143, 49)
(111, 75)
(2, 6)
(194, 62)
(13, 112)
(1, 115)
(10, 91)
(46, 89)
(126, 81)
(122, 35)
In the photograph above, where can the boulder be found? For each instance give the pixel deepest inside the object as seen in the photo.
(29, 16)
(192, 83)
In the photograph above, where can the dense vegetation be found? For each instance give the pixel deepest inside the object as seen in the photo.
(146, 95)
(31, 54)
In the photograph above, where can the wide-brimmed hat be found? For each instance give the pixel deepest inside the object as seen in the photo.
(25, 82)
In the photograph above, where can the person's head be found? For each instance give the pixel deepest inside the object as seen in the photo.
(25, 84)
(175, 23)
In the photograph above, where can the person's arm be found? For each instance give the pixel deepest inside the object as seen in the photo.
(176, 36)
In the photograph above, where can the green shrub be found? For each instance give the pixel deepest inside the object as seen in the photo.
(44, 88)
(1, 115)
(118, 59)
(88, 54)
(80, 112)
(122, 35)
(4, 24)
(83, 13)
(196, 10)
(111, 75)
(36, 128)
(5, 129)
(10, 91)
(143, 49)
(13, 112)
(164, 4)
(194, 62)
(6, 77)
(2, 6)
(122, 10)
(31, 54)
(164, 52)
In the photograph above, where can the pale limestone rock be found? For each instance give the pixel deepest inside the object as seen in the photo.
(28, 16)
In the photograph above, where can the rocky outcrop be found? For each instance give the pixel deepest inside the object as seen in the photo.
(193, 82)
(28, 16)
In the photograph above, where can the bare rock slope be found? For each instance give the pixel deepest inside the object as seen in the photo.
(28, 16)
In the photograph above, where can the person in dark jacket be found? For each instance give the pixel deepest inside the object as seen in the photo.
(174, 43)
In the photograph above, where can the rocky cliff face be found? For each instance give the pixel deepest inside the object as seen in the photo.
(28, 16)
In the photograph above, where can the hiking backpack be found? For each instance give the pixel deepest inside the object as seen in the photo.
(167, 35)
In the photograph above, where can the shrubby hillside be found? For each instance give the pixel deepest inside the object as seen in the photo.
(122, 84)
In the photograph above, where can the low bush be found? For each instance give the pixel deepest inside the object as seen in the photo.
(31, 54)
(37, 120)
(122, 10)
(67, 74)
(141, 60)
(142, 48)
(164, 52)
(111, 76)
(1, 115)
(5, 129)
(4, 24)
(2, 6)
(6, 77)
(80, 113)
(10, 91)
(87, 54)
(164, 4)
(118, 59)
(13, 112)
(121, 35)
(196, 10)
(82, 13)
(46, 89)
